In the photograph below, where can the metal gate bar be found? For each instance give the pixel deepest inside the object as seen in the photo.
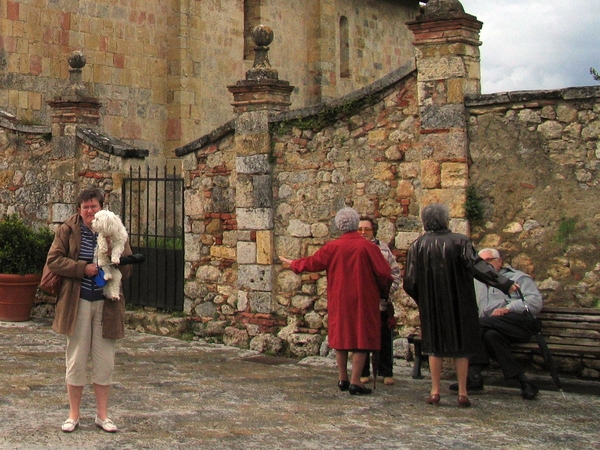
(153, 213)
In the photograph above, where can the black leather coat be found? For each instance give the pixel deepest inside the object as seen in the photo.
(439, 274)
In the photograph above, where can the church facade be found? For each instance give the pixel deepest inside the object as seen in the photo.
(161, 67)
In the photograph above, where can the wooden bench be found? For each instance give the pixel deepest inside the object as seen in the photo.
(568, 332)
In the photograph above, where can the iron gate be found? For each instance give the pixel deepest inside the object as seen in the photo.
(153, 211)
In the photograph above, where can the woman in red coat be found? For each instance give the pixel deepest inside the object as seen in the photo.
(357, 277)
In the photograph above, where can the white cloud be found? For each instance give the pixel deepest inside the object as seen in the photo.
(537, 44)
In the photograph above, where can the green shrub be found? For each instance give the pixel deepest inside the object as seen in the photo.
(566, 228)
(474, 210)
(23, 250)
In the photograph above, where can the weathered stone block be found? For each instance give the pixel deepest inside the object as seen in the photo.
(303, 344)
(430, 174)
(434, 117)
(222, 252)
(302, 302)
(454, 90)
(261, 302)
(254, 218)
(235, 337)
(319, 230)
(404, 239)
(255, 277)
(405, 189)
(208, 273)
(244, 193)
(205, 310)
(288, 247)
(192, 247)
(262, 192)
(313, 320)
(431, 69)
(264, 343)
(242, 301)
(450, 146)
(288, 281)
(194, 204)
(454, 175)
(264, 247)
(246, 252)
(453, 198)
(252, 123)
(551, 129)
(297, 228)
(61, 212)
(253, 164)
(252, 144)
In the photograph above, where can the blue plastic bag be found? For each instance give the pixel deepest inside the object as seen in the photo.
(99, 279)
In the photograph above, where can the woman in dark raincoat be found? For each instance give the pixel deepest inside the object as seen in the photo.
(439, 274)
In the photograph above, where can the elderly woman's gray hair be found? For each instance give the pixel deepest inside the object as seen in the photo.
(347, 220)
(435, 217)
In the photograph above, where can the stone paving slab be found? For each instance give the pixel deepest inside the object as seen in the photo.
(172, 394)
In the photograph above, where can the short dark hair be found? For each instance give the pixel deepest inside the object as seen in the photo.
(435, 217)
(90, 193)
(373, 223)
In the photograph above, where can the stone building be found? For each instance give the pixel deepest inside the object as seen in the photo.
(161, 67)
(269, 181)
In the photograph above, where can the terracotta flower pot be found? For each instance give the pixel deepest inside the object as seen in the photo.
(17, 295)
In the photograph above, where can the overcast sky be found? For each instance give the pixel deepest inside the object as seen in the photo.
(537, 44)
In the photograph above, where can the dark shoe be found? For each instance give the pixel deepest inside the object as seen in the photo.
(463, 401)
(356, 389)
(343, 385)
(472, 386)
(528, 391)
(433, 399)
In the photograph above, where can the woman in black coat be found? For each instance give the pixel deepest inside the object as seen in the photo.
(439, 274)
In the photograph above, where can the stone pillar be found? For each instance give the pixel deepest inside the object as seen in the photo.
(447, 58)
(72, 107)
(254, 99)
(261, 90)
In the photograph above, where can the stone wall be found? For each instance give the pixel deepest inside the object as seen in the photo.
(255, 193)
(41, 175)
(532, 160)
(535, 166)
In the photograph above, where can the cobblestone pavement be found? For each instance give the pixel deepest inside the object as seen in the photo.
(172, 394)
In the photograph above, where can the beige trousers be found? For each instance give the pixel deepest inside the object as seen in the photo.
(87, 339)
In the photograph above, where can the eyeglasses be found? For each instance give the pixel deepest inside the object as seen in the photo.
(91, 208)
(365, 229)
(489, 259)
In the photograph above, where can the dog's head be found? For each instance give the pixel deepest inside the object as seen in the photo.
(103, 221)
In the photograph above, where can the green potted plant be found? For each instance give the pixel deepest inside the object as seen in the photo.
(23, 252)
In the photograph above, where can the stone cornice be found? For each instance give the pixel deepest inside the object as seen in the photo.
(10, 122)
(108, 144)
(574, 93)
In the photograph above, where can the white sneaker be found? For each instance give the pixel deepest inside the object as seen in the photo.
(107, 425)
(69, 425)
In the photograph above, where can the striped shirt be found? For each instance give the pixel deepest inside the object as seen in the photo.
(89, 290)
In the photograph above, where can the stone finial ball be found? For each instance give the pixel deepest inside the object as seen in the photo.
(77, 59)
(262, 35)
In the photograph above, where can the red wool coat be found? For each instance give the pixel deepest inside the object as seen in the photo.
(357, 277)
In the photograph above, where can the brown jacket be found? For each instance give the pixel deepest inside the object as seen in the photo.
(63, 260)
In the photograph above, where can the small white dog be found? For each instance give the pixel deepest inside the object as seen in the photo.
(112, 236)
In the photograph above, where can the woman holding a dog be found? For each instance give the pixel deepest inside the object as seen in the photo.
(91, 323)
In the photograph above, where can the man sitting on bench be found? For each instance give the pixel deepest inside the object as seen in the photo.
(504, 320)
